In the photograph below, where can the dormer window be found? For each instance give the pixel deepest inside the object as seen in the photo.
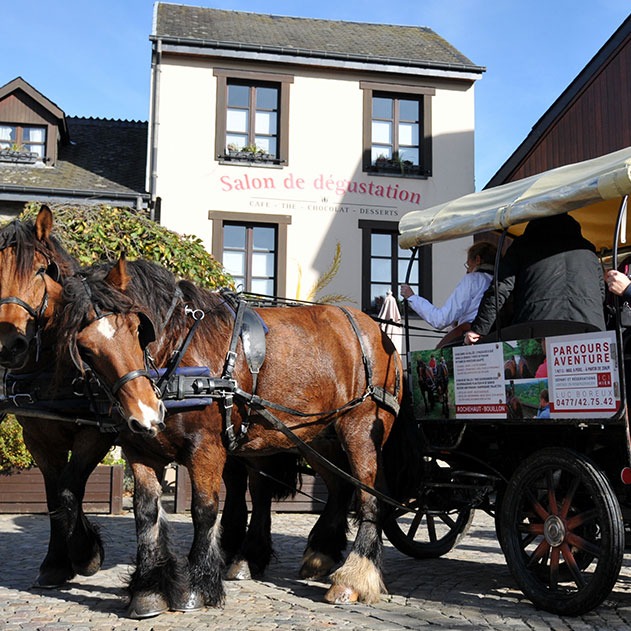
(23, 139)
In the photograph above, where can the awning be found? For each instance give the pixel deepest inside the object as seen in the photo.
(592, 191)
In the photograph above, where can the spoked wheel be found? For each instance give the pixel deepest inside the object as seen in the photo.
(562, 532)
(439, 515)
(426, 534)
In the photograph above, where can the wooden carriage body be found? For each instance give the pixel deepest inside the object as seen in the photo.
(555, 477)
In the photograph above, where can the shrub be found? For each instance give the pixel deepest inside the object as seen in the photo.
(13, 451)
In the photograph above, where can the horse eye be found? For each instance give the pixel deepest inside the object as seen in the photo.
(41, 270)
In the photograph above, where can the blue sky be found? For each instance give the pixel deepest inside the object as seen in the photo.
(93, 57)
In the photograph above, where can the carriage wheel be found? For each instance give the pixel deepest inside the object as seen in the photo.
(426, 534)
(435, 522)
(562, 532)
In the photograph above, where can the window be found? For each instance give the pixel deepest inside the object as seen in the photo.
(252, 117)
(249, 256)
(385, 265)
(397, 129)
(22, 138)
(253, 249)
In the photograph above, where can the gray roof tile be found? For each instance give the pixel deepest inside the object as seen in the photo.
(413, 45)
(103, 156)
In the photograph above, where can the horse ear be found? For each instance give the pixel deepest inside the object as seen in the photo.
(118, 276)
(44, 223)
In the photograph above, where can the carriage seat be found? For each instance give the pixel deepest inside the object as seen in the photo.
(538, 329)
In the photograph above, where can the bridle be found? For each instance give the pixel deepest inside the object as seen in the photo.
(37, 313)
(146, 336)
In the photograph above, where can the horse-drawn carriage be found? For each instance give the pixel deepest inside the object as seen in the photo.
(558, 487)
(247, 385)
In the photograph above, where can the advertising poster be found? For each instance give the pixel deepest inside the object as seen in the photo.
(571, 376)
(583, 375)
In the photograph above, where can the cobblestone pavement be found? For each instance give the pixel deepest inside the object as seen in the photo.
(470, 588)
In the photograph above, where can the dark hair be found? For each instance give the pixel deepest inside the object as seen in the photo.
(544, 395)
(485, 250)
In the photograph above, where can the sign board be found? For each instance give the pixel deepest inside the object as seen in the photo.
(570, 376)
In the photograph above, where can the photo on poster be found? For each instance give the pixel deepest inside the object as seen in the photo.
(432, 383)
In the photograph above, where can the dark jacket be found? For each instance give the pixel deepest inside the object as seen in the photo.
(552, 272)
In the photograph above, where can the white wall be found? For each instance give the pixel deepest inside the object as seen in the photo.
(325, 154)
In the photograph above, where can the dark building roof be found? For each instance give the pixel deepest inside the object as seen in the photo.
(325, 39)
(104, 160)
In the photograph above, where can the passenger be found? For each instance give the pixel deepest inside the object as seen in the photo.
(462, 305)
(544, 405)
(552, 273)
(619, 283)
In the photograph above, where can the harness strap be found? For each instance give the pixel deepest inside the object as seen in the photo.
(134, 374)
(301, 444)
(358, 334)
(198, 316)
(229, 364)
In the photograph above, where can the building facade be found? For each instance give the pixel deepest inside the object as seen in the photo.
(49, 157)
(293, 146)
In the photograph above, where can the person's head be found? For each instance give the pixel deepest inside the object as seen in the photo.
(544, 397)
(480, 253)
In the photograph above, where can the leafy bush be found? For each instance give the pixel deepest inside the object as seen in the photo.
(100, 233)
(13, 451)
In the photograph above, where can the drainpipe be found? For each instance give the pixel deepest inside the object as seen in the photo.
(156, 60)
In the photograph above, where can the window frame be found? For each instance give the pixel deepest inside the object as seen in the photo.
(20, 142)
(424, 260)
(398, 91)
(283, 81)
(280, 222)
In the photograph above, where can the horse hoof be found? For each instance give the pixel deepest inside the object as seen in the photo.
(195, 602)
(341, 595)
(316, 565)
(50, 580)
(90, 568)
(239, 571)
(147, 605)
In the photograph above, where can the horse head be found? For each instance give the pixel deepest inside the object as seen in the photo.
(31, 266)
(107, 336)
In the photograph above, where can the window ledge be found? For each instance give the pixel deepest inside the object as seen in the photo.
(19, 157)
(271, 163)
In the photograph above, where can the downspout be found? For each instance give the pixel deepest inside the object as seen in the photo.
(156, 60)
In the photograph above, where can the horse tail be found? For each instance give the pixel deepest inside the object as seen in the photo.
(403, 453)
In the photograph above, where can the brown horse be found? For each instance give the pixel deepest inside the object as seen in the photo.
(517, 368)
(325, 367)
(426, 384)
(32, 266)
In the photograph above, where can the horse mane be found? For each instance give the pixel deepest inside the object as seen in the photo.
(152, 290)
(22, 236)
(211, 302)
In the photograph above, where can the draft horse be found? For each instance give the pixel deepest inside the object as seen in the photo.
(33, 268)
(33, 265)
(325, 366)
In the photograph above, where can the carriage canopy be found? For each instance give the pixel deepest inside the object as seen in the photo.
(591, 191)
